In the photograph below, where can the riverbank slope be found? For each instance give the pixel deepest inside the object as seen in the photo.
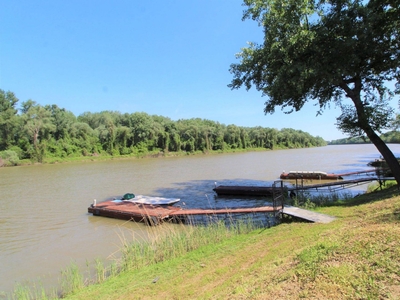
(355, 256)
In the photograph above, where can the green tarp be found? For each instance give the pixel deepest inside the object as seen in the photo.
(128, 196)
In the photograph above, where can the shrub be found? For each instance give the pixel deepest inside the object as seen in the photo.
(9, 157)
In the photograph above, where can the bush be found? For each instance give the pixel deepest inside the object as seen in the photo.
(9, 158)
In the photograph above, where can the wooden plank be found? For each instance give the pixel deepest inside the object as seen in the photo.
(239, 210)
(333, 184)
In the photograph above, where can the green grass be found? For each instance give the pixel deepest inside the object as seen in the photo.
(354, 257)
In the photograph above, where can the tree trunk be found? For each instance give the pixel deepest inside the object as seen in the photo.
(387, 154)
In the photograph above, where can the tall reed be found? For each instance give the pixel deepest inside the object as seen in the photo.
(162, 243)
(309, 201)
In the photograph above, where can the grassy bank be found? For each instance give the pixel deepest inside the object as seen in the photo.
(354, 257)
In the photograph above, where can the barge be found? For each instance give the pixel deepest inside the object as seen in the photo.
(243, 190)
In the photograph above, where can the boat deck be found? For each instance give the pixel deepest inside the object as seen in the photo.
(132, 211)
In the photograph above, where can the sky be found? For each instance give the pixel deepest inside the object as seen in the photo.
(168, 58)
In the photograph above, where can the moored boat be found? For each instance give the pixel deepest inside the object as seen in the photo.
(243, 190)
(310, 175)
(141, 199)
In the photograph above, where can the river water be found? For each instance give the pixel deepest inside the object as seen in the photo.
(44, 224)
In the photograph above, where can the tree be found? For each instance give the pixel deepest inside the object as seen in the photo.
(8, 119)
(37, 120)
(62, 119)
(329, 52)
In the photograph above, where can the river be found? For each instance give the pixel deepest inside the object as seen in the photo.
(44, 224)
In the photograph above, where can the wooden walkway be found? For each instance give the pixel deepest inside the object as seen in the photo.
(358, 172)
(307, 215)
(334, 185)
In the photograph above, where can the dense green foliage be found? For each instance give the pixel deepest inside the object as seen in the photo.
(391, 137)
(39, 132)
(331, 52)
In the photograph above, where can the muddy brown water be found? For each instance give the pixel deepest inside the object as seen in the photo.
(44, 224)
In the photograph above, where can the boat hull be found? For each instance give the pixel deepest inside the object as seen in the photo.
(243, 190)
(310, 175)
(141, 199)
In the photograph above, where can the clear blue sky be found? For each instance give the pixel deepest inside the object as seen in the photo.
(168, 58)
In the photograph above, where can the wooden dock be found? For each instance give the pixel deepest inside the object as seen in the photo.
(156, 214)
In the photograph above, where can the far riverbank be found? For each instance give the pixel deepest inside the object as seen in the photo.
(155, 154)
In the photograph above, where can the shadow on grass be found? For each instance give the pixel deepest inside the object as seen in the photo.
(374, 196)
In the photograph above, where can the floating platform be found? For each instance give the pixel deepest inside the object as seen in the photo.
(243, 190)
(155, 214)
(125, 210)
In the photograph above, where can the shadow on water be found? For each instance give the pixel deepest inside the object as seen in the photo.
(200, 194)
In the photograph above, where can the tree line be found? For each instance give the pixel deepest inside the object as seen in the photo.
(391, 137)
(35, 132)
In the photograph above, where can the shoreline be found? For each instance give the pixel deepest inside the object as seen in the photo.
(160, 154)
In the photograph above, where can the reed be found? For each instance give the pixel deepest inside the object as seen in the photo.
(177, 241)
(71, 279)
(312, 201)
(161, 243)
(35, 291)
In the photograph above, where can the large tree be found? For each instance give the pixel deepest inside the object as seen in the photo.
(37, 120)
(335, 52)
